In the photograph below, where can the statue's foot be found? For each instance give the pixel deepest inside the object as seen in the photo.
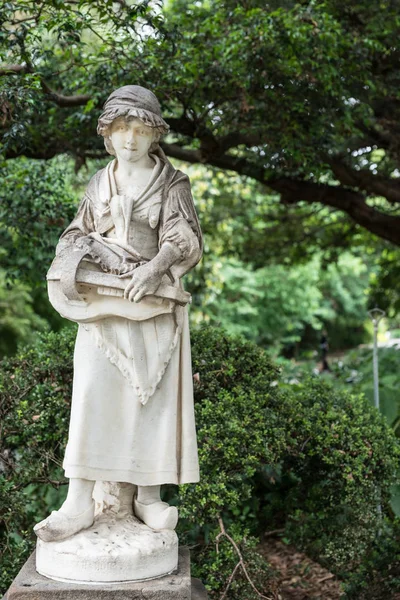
(59, 526)
(157, 515)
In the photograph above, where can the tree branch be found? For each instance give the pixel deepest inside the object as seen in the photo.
(60, 99)
(180, 153)
(182, 125)
(213, 152)
(367, 181)
(65, 101)
(351, 202)
(295, 190)
(241, 562)
(234, 139)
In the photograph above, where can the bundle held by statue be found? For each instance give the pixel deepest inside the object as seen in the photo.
(81, 276)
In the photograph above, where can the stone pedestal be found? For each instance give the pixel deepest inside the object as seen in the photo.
(113, 549)
(29, 585)
(118, 547)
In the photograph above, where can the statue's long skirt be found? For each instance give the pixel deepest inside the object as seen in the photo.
(115, 437)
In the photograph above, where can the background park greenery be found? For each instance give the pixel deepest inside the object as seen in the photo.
(286, 116)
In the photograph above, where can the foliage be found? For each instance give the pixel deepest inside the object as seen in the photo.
(275, 93)
(272, 304)
(344, 285)
(379, 575)
(280, 306)
(385, 285)
(339, 452)
(315, 462)
(18, 322)
(35, 392)
(36, 204)
(279, 299)
(233, 397)
(221, 72)
(37, 201)
(355, 372)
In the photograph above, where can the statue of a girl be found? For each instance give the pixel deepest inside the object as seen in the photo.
(132, 416)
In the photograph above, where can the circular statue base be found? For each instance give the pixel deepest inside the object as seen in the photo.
(114, 549)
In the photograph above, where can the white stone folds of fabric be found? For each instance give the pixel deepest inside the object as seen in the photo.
(132, 101)
(113, 437)
(141, 350)
(132, 415)
(166, 203)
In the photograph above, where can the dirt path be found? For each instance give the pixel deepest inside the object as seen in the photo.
(298, 577)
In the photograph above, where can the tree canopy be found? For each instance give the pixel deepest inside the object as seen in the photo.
(302, 97)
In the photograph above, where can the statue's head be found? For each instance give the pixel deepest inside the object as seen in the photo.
(128, 103)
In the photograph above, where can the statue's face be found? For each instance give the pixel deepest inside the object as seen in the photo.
(131, 138)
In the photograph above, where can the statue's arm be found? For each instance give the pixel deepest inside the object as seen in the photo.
(180, 243)
(82, 224)
(180, 226)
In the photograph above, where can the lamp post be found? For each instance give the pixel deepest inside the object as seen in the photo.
(376, 315)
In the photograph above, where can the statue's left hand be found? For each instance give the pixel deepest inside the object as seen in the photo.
(145, 280)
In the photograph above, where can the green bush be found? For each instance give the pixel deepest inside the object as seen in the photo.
(35, 391)
(378, 576)
(19, 324)
(308, 458)
(344, 457)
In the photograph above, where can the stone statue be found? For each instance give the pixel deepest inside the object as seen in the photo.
(117, 272)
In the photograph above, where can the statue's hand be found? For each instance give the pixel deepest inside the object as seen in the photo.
(145, 280)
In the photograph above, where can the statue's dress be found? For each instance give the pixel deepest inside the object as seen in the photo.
(132, 415)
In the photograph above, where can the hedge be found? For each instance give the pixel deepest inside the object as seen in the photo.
(310, 459)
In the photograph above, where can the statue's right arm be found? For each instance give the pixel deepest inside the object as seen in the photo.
(81, 225)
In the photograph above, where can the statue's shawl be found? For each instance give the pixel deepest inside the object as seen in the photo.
(173, 212)
(141, 350)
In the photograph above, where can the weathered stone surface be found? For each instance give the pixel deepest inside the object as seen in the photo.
(29, 585)
(117, 271)
(199, 592)
(114, 549)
